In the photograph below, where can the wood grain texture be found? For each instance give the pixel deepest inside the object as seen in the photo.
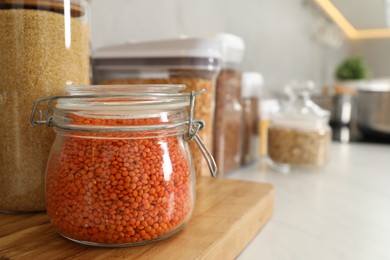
(227, 215)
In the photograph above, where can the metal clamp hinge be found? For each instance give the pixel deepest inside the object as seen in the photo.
(194, 125)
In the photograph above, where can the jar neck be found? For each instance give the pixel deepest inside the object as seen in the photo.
(134, 124)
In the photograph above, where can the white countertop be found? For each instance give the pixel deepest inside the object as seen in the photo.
(340, 212)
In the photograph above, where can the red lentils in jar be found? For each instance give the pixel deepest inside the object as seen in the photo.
(120, 172)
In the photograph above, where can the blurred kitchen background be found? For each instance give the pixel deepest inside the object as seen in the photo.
(285, 39)
(339, 45)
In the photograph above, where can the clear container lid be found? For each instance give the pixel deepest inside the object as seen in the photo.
(377, 85)
(300, 112)
(267, 108)
(232, 49)
(76, 8)
(252, 83)
(178, 53)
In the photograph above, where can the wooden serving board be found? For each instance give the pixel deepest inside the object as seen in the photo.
(227, 215)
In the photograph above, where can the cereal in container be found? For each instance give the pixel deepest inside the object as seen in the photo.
(228, 124)
(44, 46)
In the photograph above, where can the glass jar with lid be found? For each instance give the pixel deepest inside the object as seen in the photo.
(191, 61)
(120, 171)
(299, 134)
(44, 47)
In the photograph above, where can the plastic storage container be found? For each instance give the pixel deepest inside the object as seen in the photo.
(120, 171)
(228, 113)
(299, 134)
(44, 47)
(252, 83)
(266, 110)
(193, 62)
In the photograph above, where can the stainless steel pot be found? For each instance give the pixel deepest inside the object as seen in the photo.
(373, 115)
(342, 111)
(341, 107)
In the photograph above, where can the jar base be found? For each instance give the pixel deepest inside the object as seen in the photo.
(131, 244)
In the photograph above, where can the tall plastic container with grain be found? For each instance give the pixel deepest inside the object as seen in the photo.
(194, 62)
(44, 47)
(228, 113)
(299, 134)
(252, 83)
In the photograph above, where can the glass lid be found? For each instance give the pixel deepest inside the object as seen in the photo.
(123, 98)
(300, 111)
(122, 89)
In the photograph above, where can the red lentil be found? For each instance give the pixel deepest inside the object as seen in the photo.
(204, 107)
(118, 188)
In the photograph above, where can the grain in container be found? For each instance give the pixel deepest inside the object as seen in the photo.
(228, 112)
(299, 134)
(120, 171)
(194, 62)
(44, 47)
(252, 83)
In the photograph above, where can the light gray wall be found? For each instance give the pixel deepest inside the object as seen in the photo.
(278, 33)
(376, 52)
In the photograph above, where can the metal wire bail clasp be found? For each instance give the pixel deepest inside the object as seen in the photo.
(194, 125)
(46, 118)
